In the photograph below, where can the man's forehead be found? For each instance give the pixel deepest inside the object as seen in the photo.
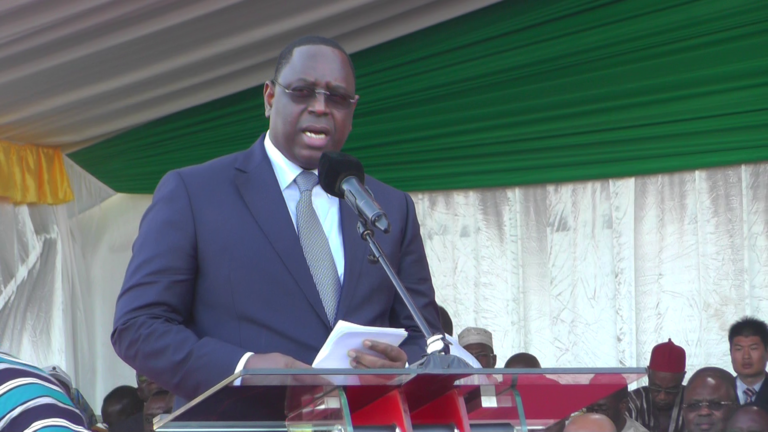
(665, 379)
(705, 386)
(747, 340)
(318, 63)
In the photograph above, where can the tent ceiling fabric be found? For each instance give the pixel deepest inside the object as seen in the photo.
(73, 72)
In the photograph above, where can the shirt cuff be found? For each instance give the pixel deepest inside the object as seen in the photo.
(240, 366)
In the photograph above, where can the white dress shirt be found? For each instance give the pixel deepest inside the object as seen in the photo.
(326, 206)
(740, 387)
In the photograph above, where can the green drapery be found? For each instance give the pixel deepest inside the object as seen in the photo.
(516, 93)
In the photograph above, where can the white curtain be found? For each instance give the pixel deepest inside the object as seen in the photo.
(48, 313)
(579, 274)
(596, 273)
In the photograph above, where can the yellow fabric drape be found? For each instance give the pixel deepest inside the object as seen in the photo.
(31, 174)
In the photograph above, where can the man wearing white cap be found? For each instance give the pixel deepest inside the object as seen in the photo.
(479, 342)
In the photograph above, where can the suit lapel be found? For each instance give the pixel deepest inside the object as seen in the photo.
(355, 257)
(256, 181)
(762, 395)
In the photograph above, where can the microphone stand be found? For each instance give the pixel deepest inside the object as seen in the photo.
(438, 351)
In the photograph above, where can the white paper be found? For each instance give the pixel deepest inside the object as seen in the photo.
(347, 336)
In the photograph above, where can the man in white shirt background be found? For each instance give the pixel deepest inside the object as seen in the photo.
(748, 339)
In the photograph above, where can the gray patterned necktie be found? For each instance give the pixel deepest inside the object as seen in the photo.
(317, 251)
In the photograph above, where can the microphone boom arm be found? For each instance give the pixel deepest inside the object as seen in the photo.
(367, 234)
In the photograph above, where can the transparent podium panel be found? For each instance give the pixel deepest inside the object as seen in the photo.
(400, 400)
(539, 397)
(328, 412)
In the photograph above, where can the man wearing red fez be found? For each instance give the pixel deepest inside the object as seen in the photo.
(659, 405)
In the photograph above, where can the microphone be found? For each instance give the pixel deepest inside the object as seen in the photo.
(342, 176)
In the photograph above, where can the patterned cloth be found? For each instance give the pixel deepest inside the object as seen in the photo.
(641, 410)
(633, 426)
(32, 401)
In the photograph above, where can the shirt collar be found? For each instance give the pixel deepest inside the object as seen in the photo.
(740, 386)
(285, 170)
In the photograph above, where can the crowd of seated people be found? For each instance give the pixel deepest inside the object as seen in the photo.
(712, 401)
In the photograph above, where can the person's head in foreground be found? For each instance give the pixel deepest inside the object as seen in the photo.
(748, 418)
(311, 100)
(479, 342)
(590, 422)
(710, 400)
(748, 339)
(666, 372)
(161, 402)
(120, 404)
(613, 407)
(522, 360)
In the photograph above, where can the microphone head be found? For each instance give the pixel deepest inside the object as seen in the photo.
(335, 167)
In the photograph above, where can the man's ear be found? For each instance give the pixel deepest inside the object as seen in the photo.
(624, 405)
(269, 96)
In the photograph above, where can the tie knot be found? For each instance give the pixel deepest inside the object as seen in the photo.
(306, 180)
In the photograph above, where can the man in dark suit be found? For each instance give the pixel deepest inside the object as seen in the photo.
(748, 338)
(245, 262)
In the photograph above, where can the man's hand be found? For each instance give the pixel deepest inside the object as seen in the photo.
(278, 361)
(273, 361)
(395, 358)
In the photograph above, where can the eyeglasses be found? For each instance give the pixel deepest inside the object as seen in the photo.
(671, 390)
(303, 95)
(713, 406)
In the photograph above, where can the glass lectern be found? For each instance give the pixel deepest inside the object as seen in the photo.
(396, 400)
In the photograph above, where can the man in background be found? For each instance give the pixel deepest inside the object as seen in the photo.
(658, 406)
(447, 325)
(32, 400)
(748, 418)
(120, 407)
(748, 339)
(710, 400)
(522, 360)
(615, 407)
(479, 342)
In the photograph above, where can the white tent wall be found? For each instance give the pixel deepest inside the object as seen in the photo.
(580, 274)
(596, 273)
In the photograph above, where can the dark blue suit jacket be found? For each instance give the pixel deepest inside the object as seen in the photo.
(218, 270)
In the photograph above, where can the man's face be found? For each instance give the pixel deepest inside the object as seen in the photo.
(708, 405)
(748, 356)
(749, 419)
(159, 403)
(609, 407)
(665, 387)
(483, 353)
(303, 129)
